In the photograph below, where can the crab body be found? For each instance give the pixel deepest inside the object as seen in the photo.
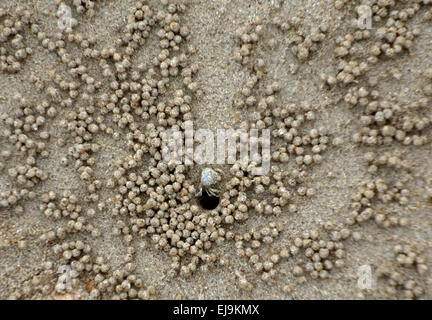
(209, 177)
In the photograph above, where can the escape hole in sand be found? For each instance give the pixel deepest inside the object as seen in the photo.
(208, 202)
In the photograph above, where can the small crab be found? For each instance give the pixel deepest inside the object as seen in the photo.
(209, 177)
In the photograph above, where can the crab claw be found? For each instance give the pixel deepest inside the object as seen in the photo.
(213, 192)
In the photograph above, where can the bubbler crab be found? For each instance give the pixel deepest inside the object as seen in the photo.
(209, 177)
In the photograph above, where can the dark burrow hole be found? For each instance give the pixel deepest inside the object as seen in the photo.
(208, 202)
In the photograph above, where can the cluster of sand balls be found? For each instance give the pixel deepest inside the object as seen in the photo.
(390, 41)
(14, 29)
(399, 276)
(150, 200)
(247, 38)
(321, 255)
(369, 194)
(384, 121)
(25, 136)
(385, 160)
(126, 98)
(302, 148)
(305, 43)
